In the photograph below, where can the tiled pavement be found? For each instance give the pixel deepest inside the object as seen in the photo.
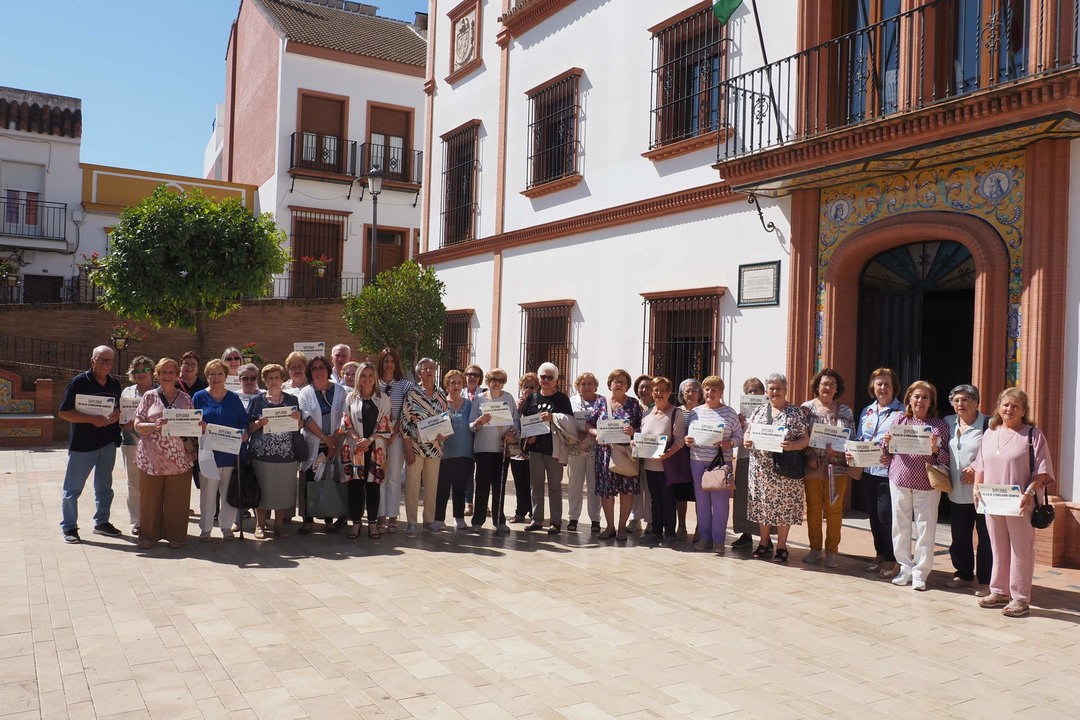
(453, 626)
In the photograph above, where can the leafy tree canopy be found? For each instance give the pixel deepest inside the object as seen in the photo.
(403, 310)
(177, 258)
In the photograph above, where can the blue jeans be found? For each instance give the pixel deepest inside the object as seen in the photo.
(78, 469)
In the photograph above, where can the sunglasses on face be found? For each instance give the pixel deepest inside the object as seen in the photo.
(232, 359)
(528, 387)
(140, 371)
(249, 378)
(473, 374)
(498, 380)
(547, 377)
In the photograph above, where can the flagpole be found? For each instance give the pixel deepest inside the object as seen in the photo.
(765, 58)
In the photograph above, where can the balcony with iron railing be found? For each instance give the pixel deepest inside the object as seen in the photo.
(325, 156)
(398, 164)
(28, 217)
(947, 51)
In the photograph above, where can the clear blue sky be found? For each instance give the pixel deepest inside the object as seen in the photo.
(148, 71)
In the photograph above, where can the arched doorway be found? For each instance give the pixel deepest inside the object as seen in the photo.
(917, 314)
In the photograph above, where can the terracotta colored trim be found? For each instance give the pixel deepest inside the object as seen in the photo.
(429, 126)
(365, 246)
(1025, 101)
(316, 175)
(321, 211)
(496, 306)
(558, 78)
(553, 186)
(689, 145)
(234, 37)
(462, 126)
(389, 106)
(530, 13)
(464, 311)
(718, 290)
(500, 148)
(464, 70)
(459, 11)
(301, 92)
(660, 206)
(689, 12)
(429, 86)
(802, 295)
(348, 58)
(547, 303)
(102, 207)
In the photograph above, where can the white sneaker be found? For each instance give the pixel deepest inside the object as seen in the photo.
(812, 557)
(460, 523)
(902, 579)
(919, 585)
(831, 561)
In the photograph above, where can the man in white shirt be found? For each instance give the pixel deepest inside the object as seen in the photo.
(340, 355)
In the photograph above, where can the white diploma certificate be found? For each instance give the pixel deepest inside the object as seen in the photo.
(500, 413)
(611, 431)
(581, 418)
(649, 446)
(310, 349)
(768, 437)
(182, 423)
(910, 439)
(999, 500)
(706, 433)
(431, 427)
(864, 454)
(128, 406)
(280, 420)
(224, 439)
(748, 404)
(95, 404)
(232, 382)
(532, 425)
(822, 435)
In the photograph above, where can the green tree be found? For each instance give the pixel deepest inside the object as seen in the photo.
(403, 310)
(179, 258)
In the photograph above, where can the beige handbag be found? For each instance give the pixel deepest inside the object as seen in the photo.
(939, 477)
(621, 461)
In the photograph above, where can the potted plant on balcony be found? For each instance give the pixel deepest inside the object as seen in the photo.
(250, 354)
(123, 335)
(90, 262)
(318, 263)
(9, 270)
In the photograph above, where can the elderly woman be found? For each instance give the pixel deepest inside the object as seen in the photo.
(966, 429)
(581, 465)
(272, 454)
(249, 384)
(773, 498)
(873, 423)
(739, 522)
(489, 449)
(141, 372)
(549, 452)
(1013, 452)
(322, 402)
(220, 406)
(663, 419)
(456, 468)
(642, 509)
(422, 458)
(366, 424)
(393, 384)
(517, 455)
(233, 360)
(913, 497)
(296, 367)
(348, 374)
(164, 462)
(610, 484)
(473, 375)
(712, 505)
(690, 396)
(826, 469)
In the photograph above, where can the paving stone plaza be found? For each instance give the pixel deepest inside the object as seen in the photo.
(528, 626)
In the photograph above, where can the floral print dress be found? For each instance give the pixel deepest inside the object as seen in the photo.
(608, 483)
(773, 499)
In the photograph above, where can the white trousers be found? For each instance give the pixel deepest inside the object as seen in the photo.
(582, 472)
(921, 508)
(394, 480)
(134, 480)
(208, 492)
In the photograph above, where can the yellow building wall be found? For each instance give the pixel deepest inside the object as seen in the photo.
(111, 189)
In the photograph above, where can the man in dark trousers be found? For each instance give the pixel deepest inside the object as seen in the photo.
(95, 435)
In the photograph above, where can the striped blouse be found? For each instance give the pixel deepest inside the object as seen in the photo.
(418, 405)
(396, 390)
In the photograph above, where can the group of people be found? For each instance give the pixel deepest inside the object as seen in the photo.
(364, 435)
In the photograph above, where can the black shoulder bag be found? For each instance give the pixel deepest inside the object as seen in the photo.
(788, 463)
(1042, 515)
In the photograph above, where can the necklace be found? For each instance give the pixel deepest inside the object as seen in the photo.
(1002, 445)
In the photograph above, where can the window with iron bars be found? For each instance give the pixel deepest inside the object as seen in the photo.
(546, 337)
(554, 112)
(457, 339)
(680, 336)
(688, 61)
(459, 183)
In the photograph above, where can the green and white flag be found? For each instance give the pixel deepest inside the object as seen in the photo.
(724, 9)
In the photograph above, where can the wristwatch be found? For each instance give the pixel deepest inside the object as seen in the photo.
(1030, 491)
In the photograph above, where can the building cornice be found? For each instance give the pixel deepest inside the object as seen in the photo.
(527, 14)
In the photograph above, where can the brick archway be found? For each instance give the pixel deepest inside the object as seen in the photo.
(841, 293)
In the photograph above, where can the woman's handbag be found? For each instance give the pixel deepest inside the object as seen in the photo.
(244, 492)
(788, 463)
(324, 493)
(677, 466)
(300, 448)
(939, 477)
(718, 476)
(620, 460)
(1042, 514)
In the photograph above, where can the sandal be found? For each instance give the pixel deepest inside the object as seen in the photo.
(607, 534)
(1016, 609)
(761, 551)
(355, 532)
(781, 556)
(621, 536)
(260, 533)
(373, 532)
(391, 527)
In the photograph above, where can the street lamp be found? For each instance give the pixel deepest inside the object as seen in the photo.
(374, 179)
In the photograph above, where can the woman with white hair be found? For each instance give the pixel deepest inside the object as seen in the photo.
(966, 430)
(422, 459)
(774, 499)
(548, 452)
(232, 359)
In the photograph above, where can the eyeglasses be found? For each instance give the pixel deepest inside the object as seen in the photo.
(528, 387)
(496, 379)
(140, 371)
(232, 359)
(473, 374)
(249, 378)
(547, 377)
